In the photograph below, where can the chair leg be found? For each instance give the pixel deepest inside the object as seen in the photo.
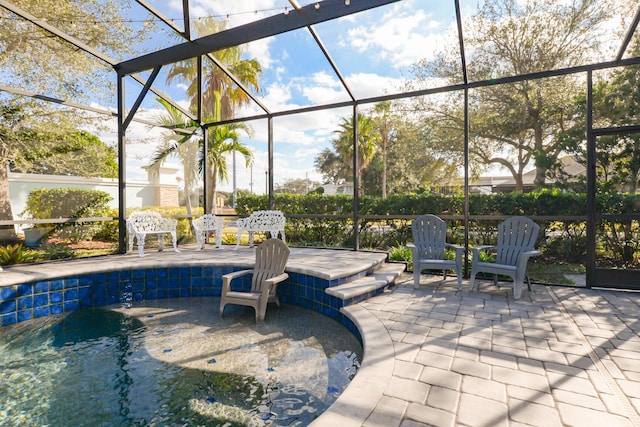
(416, 277)
(260, 313)
(472, 279)
(517, 289)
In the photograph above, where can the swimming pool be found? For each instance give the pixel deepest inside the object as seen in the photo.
(174, 362)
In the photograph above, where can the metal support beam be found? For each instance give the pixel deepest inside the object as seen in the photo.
(591, 187)
(161, 17)
(466, 178)
(122, 170)
(270, 162)
(336, 70)
(356, 182)
(629, 35)
(141, 95)
(463, 57)
(55, 31)
(187, 19)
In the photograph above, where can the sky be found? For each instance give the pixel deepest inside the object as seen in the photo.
(373, 50)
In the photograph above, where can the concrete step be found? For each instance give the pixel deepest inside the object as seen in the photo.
(383, 276)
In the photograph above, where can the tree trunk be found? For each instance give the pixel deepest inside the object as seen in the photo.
(384, 167)
(211, 189)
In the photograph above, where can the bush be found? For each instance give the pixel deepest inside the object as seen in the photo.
(16, 254)
(54, 203)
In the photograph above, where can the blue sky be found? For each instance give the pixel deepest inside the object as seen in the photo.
(373, 50)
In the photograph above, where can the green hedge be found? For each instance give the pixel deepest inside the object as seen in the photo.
(560, 239)
(541, 203)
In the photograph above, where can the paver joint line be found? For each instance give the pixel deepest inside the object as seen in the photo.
(631, 414)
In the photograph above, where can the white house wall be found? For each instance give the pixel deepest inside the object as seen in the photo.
(138, 193)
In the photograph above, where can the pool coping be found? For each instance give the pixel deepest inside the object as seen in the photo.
(303, 260)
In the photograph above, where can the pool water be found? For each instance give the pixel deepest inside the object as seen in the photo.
(174, 362)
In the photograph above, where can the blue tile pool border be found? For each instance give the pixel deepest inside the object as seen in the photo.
(25, 301)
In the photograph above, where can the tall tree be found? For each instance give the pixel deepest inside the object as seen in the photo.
(37, 139)
(38, 61)
(616, 102)
(367, 143)
(332, 167)
(221, 96)
(179, 141)
(384, 123)
(186, 136)
(34, 60)
(517, 125)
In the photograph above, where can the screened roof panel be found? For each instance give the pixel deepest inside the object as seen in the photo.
(237, 13)
(376, 50)
(295, 74)
(391, 48)
(504, 39)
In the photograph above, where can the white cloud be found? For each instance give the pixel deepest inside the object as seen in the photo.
(370, 84)
(400, 37)
(277, 97)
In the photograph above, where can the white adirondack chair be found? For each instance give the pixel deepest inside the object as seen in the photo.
(516, 242)
(428, 248)
(271, 258)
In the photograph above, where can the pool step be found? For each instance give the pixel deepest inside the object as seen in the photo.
(369, 285)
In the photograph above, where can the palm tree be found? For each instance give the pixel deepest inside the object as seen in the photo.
(181, 142)
(186, 142)
(385, 127)
(224, 140)
(221, 96)
(367, 141)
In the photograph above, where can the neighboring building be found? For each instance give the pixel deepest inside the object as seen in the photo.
(506, 184)
(161, 189)
(341, 188)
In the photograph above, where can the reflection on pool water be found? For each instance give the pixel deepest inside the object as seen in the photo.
(174, 362)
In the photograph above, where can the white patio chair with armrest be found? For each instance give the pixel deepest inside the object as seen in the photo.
(517, 238)
(271, 258)
(429, 246)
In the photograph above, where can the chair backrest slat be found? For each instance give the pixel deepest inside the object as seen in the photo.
(429, 235)
(271, 259)
(515, 235)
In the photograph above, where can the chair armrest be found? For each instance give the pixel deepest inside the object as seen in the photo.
(277, 279)
(270, 283)
(459, 250)
(476, 250)
(227, 278)
(523, 259)
(237, 274)
(415, 252)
